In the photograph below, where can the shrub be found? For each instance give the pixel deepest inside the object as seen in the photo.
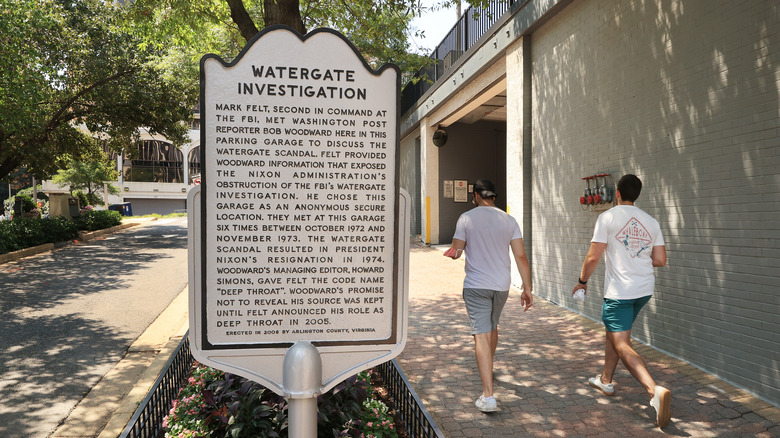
(98, 219)
(58, 228)
(23, 233)
(218, 405)
(82, 197)
(86, 199)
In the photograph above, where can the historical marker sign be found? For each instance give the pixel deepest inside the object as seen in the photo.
(298, 201)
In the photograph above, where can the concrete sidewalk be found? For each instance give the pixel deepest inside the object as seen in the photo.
(542, 364)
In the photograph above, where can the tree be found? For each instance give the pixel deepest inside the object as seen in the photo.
(74, 72)
(87, 174)
(379, 29)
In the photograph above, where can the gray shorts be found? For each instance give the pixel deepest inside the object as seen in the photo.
(484, 307)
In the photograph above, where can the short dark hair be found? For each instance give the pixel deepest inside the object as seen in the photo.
(629, 187)
(485, 188)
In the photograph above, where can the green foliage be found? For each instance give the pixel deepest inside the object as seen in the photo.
(27, 232)
(223, 405)
(29, 192)
(66, 66)
(185, 418)
(82, 197)
(27, 201)
(88, 175)
(191, 28)
(21, 233)
(98, 219)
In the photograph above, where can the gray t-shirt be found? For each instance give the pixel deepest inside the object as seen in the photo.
(487, 232)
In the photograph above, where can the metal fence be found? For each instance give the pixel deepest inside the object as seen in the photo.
(417, 420)
(471, 26)
(148, 418)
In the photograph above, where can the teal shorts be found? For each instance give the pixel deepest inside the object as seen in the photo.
(619, 315)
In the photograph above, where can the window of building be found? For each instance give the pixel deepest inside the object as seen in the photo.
(156, 161)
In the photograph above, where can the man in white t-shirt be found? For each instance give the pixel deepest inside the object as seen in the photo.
(634, 246)
(487, 234)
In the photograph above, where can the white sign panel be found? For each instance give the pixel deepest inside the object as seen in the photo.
(461, 191)
(299, 194)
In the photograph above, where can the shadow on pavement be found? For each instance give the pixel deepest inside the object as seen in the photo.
(67, 318)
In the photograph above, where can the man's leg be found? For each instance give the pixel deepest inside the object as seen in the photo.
(611, 359)
(493, 342)
(620, 342)
(484, 347)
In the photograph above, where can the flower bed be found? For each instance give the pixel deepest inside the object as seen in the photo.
(217, 404)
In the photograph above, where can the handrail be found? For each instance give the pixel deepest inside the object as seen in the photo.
(462, 37)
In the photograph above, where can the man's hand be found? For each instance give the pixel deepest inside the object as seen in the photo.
(453, 253)
(579, 286)
(526, 299)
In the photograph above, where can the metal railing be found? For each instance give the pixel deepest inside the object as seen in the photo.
(417, 421)
(463, 36)
(148, 418)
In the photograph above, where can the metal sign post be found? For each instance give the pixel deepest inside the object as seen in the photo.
(298, 230)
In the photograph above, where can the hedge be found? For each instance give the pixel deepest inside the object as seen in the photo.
(23, 232)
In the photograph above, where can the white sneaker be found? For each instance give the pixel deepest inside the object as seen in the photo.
(606, 388)
(661, 402)
(486, 404)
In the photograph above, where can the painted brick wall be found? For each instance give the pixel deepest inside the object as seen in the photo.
(686, 95)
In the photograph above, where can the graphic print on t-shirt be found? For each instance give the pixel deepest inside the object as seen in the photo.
(634, 237)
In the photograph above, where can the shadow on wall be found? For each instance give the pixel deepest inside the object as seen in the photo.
(686, 98)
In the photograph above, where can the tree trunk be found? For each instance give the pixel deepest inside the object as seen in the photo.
(283, 12)
(242, 19)
(286, 12)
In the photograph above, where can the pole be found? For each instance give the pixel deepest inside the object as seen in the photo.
(302, 382)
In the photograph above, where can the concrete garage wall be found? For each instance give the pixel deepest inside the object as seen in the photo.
(685, 95)
(472, 151)
(159, 206)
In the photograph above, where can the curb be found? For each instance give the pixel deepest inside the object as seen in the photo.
(33, 250)
(111, 403)
(85, 236)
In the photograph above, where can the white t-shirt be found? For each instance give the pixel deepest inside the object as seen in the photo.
(487, 232)
(630, 235)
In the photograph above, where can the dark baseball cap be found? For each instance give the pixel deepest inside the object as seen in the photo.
(485, 188)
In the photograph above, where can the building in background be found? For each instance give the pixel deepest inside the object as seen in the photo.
(157, 178)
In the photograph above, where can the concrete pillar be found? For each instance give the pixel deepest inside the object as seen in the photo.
(429, 163)
(185, 163)
(519, 133)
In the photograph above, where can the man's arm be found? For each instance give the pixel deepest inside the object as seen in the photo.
(658, 255)
(590, 263)
(526, 297)
(456, 249)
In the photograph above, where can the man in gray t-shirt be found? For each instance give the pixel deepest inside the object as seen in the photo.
(487, 233)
